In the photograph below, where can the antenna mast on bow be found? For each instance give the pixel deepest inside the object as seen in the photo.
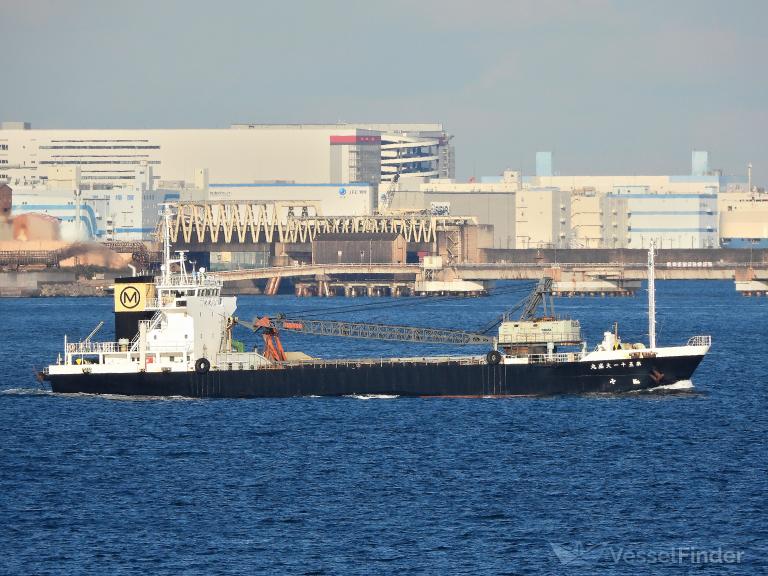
(652, 294)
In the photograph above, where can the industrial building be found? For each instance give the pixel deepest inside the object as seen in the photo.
(359, 248)
(115, 178)
(108, 157)
(419, 150)
(678, 211)
(295, 200)
(701, 178)
(129, 212)
(492, 203)
(743, 219)
(108, 184)
(672, 220)
(552, 210)
(542, 218)
(354, 199)
(298, 153)
(593, 223)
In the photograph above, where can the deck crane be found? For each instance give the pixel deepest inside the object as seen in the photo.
(270, 328)
(541, 295)
(535, 333)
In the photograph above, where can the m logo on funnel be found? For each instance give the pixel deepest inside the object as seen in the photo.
(130, 297)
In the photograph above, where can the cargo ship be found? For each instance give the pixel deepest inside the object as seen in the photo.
(174, 337)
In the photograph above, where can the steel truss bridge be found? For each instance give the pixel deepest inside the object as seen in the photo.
(267, 222)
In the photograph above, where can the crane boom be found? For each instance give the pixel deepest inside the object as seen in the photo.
(270, 327)
(385, 202)
(381, 332)
(538, 296)
(529, 305)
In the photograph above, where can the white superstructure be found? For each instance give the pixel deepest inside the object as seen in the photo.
(190, 328)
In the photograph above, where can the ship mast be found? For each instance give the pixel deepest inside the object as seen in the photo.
(652, 294)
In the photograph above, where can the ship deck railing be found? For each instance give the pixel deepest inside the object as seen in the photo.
(556, 358)
(190, 281)
(426, 360)
(534, 337)
(701, 340)
(167, 301)
(359, 362)
(240, 360)
(88, 347)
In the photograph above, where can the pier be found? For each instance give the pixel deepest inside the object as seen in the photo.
(752, 282)
(569, 279)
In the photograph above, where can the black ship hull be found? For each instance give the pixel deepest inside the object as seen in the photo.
(414, 379)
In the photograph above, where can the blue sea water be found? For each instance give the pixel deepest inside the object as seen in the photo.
(565, 485)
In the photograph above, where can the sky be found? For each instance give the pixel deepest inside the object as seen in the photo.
(611, 87)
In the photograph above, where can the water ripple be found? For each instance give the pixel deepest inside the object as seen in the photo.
(94, 485)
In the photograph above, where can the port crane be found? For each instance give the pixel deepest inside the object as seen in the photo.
(270, 328)
(385, 202)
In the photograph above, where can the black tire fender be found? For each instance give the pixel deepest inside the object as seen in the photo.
(202, 366)
(493, 357)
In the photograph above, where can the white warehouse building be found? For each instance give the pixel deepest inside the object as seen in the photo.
(109, 157)
(672, 220)
(126, 213)
(410, 149)
(243, 153)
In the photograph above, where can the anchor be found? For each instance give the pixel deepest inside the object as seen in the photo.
(657, 376)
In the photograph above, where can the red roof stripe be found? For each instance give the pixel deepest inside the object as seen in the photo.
(355, 139)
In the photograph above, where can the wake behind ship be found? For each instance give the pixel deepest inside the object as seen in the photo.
(173, 337)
